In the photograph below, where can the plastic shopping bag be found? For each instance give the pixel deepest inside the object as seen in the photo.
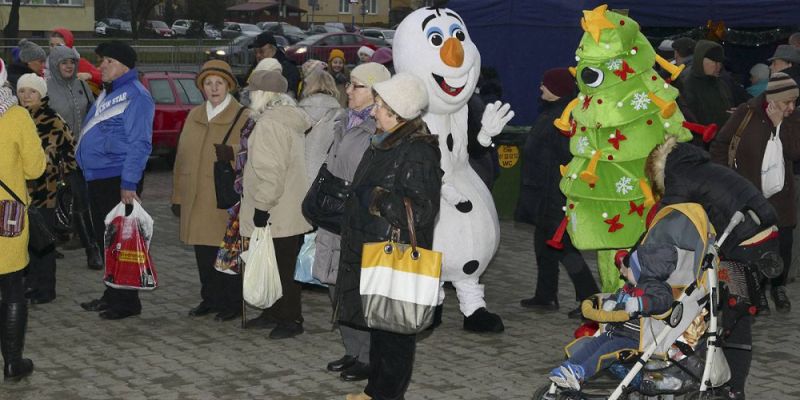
(127, 249)
(773, 173)
(262, 283)
(305, 261)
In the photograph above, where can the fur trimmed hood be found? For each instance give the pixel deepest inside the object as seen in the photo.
(657, 162)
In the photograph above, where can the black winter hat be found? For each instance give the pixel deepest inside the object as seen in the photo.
(119, 51)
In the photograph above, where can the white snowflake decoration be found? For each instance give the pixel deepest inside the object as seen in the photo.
(624, 185)
(582, 145)
(614, 64)
(640, 101)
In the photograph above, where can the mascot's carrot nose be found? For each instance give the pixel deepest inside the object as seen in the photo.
(452, 53)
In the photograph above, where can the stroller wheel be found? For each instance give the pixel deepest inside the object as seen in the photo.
(542, 393)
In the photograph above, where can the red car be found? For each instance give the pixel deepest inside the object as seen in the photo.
(175, 94)
(319, 47)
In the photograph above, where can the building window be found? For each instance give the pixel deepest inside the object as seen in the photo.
(47, 2)
(372, 6)
(344, 6)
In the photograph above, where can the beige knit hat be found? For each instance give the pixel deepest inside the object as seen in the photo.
(370, 73)
(781, 87)
(268, 81)
(405, 94)
(34, 82)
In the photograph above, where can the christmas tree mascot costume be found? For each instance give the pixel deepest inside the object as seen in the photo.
(623, 111)
(433, 44)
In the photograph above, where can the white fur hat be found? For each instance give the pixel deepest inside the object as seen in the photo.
(370, 73)
(34, 82)
(366, 51)
(405, 94)
(269, 64)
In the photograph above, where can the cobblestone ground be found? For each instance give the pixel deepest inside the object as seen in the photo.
(164, 354)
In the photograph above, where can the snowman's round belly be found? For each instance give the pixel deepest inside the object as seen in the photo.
(467, 234)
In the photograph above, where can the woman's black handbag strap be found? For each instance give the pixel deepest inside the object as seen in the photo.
(11, 192)
(235, 120)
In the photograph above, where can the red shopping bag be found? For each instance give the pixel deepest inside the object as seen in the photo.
(128, 262)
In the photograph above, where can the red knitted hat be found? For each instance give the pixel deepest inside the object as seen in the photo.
(559, 82)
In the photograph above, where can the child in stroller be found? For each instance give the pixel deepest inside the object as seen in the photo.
(645, 293)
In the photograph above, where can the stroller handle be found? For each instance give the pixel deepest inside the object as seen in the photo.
(737, 219)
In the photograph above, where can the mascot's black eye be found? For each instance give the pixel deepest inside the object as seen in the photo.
(435, 39)
(592, 77)
(459, 34)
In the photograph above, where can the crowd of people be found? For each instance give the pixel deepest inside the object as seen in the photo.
(71, 123)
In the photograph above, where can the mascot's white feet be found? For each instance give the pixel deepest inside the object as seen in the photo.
(482, 321)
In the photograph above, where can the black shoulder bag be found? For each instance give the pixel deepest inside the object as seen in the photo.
(224, 175)
(42, 237)
(324, 203)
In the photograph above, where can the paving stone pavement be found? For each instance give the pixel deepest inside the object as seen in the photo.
(164, 354)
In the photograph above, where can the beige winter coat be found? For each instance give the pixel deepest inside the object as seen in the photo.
(275, 174)
(202, 223)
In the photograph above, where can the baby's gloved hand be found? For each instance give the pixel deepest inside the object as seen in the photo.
(633, 305)
(609, 305)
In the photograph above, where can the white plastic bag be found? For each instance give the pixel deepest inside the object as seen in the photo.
(773, 170)
(303, 271)
(139, 214)
(262, 283)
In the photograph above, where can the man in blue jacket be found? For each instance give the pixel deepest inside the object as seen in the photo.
(114, 145)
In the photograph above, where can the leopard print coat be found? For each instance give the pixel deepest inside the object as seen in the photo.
(59, 148)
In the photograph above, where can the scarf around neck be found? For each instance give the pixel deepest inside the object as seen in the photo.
(355, 118)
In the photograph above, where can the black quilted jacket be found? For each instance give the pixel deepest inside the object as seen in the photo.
(405, 164)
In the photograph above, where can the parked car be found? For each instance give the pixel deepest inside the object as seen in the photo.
(319, 47)
(100, 28)
(116, 27)
(377, 33)
(237, 53)
(158, 29)
(289, 31)
(174, 94)
(317, 29)
(234, 29)
(181, 26)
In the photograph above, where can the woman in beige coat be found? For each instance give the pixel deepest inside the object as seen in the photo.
(193, 194)
(274, 184)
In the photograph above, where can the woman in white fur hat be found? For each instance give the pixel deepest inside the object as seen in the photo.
(402, 162)
(59, 146)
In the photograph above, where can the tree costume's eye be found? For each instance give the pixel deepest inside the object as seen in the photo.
(592, 77)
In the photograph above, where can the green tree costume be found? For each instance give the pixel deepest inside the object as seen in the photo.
(623, 111)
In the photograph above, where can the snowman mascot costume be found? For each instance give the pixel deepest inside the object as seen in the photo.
(433, 45)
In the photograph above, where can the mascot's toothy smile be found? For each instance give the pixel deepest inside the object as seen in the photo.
(445, 85)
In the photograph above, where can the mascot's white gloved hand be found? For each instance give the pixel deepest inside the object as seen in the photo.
(495, 117)
(451, 195)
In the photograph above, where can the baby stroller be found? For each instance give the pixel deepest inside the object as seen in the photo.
(679, 346)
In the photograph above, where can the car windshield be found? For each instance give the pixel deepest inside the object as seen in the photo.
(293, 30)
(243, 40)
(249, 28)
(310, 40)
(388, 34)
(159, 24)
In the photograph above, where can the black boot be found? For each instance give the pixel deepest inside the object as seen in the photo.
(14, 317)
(83, 222)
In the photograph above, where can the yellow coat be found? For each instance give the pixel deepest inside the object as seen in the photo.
(21, 158)
(202, 223)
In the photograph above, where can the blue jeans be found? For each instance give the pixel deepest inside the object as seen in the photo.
(587, 352)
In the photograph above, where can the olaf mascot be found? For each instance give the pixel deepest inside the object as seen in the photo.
(433, 44)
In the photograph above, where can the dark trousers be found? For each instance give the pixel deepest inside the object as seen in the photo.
(287, 308)
(548, 258)
(391, 357)
(80, 195)
(104, 195)
(218, 290)
(12, 287)
(42, 267)
(785, 239)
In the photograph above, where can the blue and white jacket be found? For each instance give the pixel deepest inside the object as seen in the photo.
(117, 134)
